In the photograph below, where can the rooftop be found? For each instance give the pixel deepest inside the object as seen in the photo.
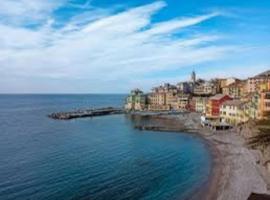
(218, 96)
(233, 103)
(238, 83)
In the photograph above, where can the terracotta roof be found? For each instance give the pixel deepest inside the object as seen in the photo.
(218, 96)
(238, 83)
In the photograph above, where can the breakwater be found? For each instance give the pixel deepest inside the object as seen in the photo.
(86, 113)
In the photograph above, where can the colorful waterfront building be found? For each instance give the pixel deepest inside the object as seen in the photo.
(232, 112)
(157, 101)
(136, 101)
(200, 104)
(254, 106)
(162, 98)
(235, 90)
(264, 86)
(183, 101)
(214, 103)
(258, 106)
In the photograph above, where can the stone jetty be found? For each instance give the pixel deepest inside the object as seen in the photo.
(86, 113)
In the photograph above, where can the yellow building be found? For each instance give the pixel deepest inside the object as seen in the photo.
(235, 90)
(265, 86)
(232, 112)
(200, 104)
(162, 98)
(157, 101)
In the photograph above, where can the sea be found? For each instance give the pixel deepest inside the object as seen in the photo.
(101, 158)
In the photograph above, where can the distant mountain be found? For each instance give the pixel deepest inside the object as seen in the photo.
(264, 74)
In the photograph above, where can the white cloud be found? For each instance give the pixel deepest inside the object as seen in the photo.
(115, 47)
(27, 11)
(172, 25)
(238, 71)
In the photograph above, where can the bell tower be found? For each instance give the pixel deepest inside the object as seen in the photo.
(193, 77)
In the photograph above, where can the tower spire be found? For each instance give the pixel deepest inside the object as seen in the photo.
(193, 76)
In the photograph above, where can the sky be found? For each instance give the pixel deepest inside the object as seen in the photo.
(112, 46)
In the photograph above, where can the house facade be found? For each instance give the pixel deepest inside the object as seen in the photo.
(235, 90)
(200, 104)
(232, 112)
(136, 100)
(214, 103)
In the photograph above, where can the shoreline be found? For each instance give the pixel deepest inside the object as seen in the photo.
(210, 190)
(235, 172)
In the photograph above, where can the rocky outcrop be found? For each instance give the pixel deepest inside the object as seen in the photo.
(257, 136)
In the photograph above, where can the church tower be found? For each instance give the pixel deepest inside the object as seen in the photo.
(193, 77)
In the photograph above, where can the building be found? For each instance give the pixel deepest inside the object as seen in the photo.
(183, 101)
(162, 98)
(192, 104)
(232, 112)
(214, 103)
(223, 82)
(193, 77)
(136, 100)
(218, 83)
(205, 88)
(264, 107)
(231, 80)
(235, 90)
(157, 101)
(264, 111)
(254, 82)
(171, 99)
(200, 104)
(265, 86)
(253, 106)
(214, 123)
(185, 87)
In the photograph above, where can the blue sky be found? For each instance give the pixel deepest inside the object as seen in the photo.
(98, 46)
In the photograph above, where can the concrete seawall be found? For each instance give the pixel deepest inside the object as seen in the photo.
(86, 113)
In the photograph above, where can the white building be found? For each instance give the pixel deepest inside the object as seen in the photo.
(232, 112)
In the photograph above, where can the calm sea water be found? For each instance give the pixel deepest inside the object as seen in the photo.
(97, 158)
